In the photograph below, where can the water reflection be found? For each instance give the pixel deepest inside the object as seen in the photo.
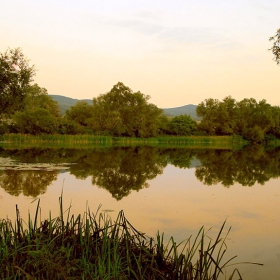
(121, 170)
(28, 182)
(251, 165)
(181, 158)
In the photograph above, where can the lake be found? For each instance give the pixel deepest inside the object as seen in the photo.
(175, 190)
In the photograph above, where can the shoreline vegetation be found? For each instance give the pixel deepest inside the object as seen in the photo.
(25, 107)
(108, 140)
(92, 246)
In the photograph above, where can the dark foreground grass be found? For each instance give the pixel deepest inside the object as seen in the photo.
(92, 246)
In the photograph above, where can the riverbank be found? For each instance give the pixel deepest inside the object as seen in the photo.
(92, 246)
(57, 139)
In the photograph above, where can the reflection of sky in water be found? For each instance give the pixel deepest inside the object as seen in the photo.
(177, 204)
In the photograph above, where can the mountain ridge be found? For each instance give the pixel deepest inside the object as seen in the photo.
(65, 103)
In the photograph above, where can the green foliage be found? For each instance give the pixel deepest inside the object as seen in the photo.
(35, 121)
(209, 111)
(125, 113)
(37, 97)
(248, 118)
(276, 46)
(254, 134)
(81, 113)
(181, 125)
(4, 128)
(163, 123)
(67, 126)
(15, 78)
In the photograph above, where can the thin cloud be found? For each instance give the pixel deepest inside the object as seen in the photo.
(205, 36)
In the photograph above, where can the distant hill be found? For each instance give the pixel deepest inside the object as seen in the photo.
(183, 110)
(65, 103)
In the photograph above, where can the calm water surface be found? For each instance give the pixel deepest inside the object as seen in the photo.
(173, 190)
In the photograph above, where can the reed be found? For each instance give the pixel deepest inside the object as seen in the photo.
(205, 140)
(56, 139)
(92, 246)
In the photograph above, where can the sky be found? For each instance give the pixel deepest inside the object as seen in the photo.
(178, 52)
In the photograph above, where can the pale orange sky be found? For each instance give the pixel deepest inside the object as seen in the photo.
(178, 52)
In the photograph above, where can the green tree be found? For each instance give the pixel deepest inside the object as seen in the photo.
(37, 97)
(246, 109)
(80, 113)
(248, 118)
(276, 46)
(182, 125)
(226, 117)
(35, 121)
(209, 111)
(163, 124)
(15, 77)
(274, 130)
(67, 126)
(125, 113)
(254, 119)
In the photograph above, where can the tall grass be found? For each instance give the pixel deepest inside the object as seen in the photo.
(57, 139)
(92, 246)
(202, 139)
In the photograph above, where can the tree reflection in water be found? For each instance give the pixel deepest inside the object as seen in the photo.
(27, 182)
(251, 165)
(121, 170)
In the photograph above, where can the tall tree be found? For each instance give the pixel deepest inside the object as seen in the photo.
(226, 116)
(209, 111)
(80, 113)
(37, 97)
(251, 119)
(182, 125)
(35, 121)
(15, 76)
(276, 46)
(123, 112)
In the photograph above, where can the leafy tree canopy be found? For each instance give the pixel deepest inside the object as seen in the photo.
(15, 77)
(182, 125)
(35, 121)
(37, 97)
(125, 113)
(276, 46)
(80, 113)
(248, 118)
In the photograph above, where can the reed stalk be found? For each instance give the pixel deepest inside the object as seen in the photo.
(92, 246)
(93, 140)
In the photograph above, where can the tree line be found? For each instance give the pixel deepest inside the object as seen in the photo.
(25, 107)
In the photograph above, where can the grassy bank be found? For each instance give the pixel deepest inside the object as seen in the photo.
(55, 138)
(92, 246)
(107, 140)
